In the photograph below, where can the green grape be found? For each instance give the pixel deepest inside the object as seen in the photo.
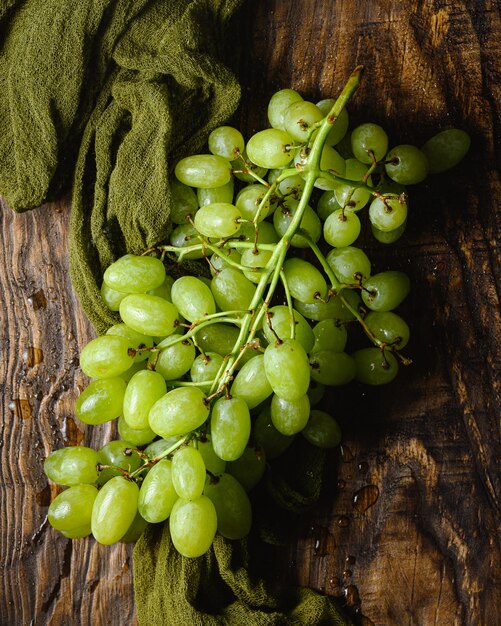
(71, 511)
(265, 233)
(218, 338)
(111, 297)
(119, 454)
(206, 367)
(249, 199)
(281, 320)
(256, 263)
(287, 369)
(218, 220)
(329, 335)
(349, 264)
(212, 462)
(193, 525)
(203, 170)
(180, 411)
(157, 494)
(341, 228)
(143, 390)
(406, 165)
(216, 194)
(72, 466)
(135, 274)
(114, 510)
(101, 401)
(270, 148)
(223, 259)
(322, 430)
(291, 186)
(250, 467)
(243, 164)
(136, 340)
(230, 428)
(369, 142)
(267, 436)
(184, 236)
(389, 328)
(310, 223)
(334, 308)
(351, 197)
(136, 436)
(174, 360)
(232, 504)
(446, 149)
(290, 416)
(304, 280)
(316, 392)
(251, 383)
(340, 126)
(133, 369)
(188, 473)
(156, 448)
(330, 161)
(388, 214)
(106, 356)
(344, 147)
(232, 291)
(300, 117)
(227, 142)
(149, 315)
(386, 290)
(135, 530)
(327, 204)
(390, 236)
(374, 367)
(192, 298)
(278, 105)
(332, 368)
(184, 203)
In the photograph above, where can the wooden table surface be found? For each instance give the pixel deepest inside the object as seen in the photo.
(409, 533)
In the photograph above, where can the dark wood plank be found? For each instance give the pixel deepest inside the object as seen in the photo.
(426, 551)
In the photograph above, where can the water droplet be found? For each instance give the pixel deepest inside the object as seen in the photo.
(350, 560)
(363, 467)
(346, 454)
(72, 435)
(351, 595)
(343, 521)
(324, 542)
(341, 484)
(32, 356)
(38, 300)
(21, 408)
(365, 497)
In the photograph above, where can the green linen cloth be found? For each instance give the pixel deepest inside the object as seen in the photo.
(109, 94)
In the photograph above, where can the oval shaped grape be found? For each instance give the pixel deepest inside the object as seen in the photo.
(193, 525)
(114, 510)
(287, 369)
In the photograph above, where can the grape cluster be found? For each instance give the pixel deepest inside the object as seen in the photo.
(212, 378)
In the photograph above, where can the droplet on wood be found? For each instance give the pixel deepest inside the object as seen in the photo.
(363, 467)
(32, 356)
(72, 435)
(38, 300)
(341, 484)
(351, 595)
(21, 408)
(343, 521)
(346, 454)
(364, 498)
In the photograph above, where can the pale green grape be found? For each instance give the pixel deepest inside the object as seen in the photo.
(117, 453)
(329, 335)
(212, 462)
(136, 340)
(135, 530)
(136, 436)
(267, 436)
(232, 504)
(350, 264)
(111, 297)
(341, 228)
(149, 315)
(205, 367)
(250, 467)
(135, 274)
(156, 448)
(270, 148)
(251, 383)
(157, 494)
(322, 430)
(227, 142)
(143, 390)
(332, 368)
(101, 401)
(193, 525)
(374, 368)
(192, 298)
(249, 199)
(389, 236)
(278, 105)
(256, 263)
(184, 236)
(349, 196)
(330, 161)
(114, 510)
(287, 369)
(188, 473)
(216, 194)
(406, 165)
(174, 360)
(180, 411)
(133, 369)
(281, 320)
(388, 214)
(310, 223)
(340, 126)
(218, 220)
(290, 416)
(70, 512)
(230, 428)
(300, 117)
(304, 280)
(232, 291)
(184, 202)
(369, 142)
(446, 149)
(292, 186)
(243, 165)
(333, 309)
(224, 259)
(327, 204)
(386, 290)
(106, 356)
(265, 233)
(389, 328)
(72, 466)
(203, 170)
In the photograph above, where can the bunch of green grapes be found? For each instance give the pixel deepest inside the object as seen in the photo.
(212, 378)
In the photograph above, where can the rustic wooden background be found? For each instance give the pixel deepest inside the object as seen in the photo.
(410, 531)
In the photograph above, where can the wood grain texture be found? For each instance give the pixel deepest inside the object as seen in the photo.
(422, 456)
